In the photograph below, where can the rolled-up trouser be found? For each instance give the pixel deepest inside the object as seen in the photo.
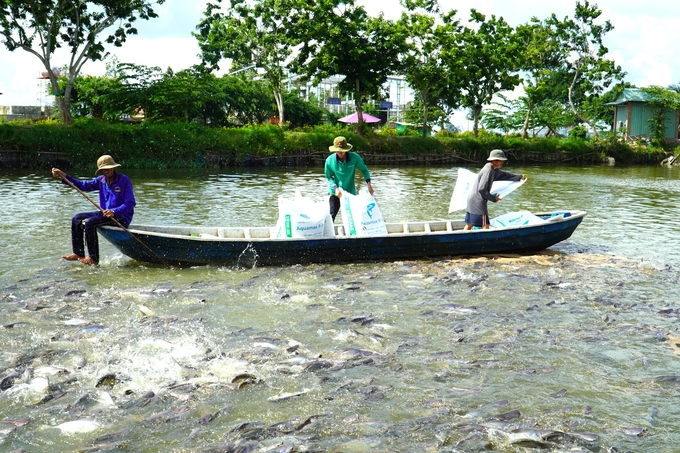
(87, 222)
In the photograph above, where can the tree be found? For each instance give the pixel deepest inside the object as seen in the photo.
(553, 116)
(415, 114)
(90, 96)
(583, 57)
(40, 27)
(250, 34)
(490, 56)
(188, 95)
(301, 112)
(336, 37)
(541, 60)
(134, 94)
(423, 65)
(505, 115)
(185, 96)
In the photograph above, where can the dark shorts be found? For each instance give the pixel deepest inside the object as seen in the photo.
(476, 220)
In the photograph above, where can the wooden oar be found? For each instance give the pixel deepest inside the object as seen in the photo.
(65, 179)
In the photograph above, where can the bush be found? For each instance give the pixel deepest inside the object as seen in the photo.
(393, 144)
(181, 145)
(578, 132)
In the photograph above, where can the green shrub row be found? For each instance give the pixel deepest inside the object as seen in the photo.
(181, 145)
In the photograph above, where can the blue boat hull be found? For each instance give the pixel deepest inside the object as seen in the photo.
(189, 250)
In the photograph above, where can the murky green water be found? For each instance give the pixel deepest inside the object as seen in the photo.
(445, 355)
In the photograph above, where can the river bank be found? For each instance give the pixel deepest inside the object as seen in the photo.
(41, 145)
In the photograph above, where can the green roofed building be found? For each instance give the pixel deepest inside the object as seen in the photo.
(633, 109)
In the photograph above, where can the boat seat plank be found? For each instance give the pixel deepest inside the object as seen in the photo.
(394, 228)
(418, 227)
(259, 233)
(438, 226)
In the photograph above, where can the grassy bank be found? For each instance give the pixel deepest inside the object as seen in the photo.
(184, 145)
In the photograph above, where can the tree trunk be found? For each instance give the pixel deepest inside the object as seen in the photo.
(359, 108)
(423, 95)
(64, 111)
(552, 131)
(573, 109)
(476, 112)
(278, 97)
(63, 100)
(525, 127)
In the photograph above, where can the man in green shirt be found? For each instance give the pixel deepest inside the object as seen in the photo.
(339, 170)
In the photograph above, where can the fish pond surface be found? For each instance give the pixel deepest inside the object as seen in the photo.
(571, 349)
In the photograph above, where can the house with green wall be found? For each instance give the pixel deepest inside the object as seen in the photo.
(633, 110)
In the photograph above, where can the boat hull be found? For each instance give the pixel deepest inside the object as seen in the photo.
(179, 246)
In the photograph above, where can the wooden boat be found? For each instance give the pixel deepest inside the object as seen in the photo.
(256, 246)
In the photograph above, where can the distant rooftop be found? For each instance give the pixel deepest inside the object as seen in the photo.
(630, 95)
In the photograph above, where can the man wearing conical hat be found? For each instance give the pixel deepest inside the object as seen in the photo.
(116, 199)
(339, 169)
(477, 211)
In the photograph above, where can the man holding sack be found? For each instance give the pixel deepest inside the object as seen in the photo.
(340, 169)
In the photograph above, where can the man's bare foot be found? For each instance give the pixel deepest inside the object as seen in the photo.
(87, 260)
(72, 257)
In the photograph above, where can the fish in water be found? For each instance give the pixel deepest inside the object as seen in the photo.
(82, 426)
(168, 415)
(674, 378)
(523, 437)
(113, 436)
(77, 322)
(587, 437)
(508, 415)
(559, 394)
(286, 396)
(283, 448)
(465, 390)
(637, 432)
(653, 414)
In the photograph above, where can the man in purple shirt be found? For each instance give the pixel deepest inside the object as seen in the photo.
(116, 199)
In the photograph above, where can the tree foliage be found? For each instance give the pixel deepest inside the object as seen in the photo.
(490, 55)
(40, 27)
(190, 95)
(302, 112)
(583, 57)
(338, 38)
(562, 62)
(541, 65)
(250, 34)
(505, 115)
(423, 63)
(662, 100)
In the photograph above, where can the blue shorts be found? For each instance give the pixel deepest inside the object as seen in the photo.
(476, 220)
